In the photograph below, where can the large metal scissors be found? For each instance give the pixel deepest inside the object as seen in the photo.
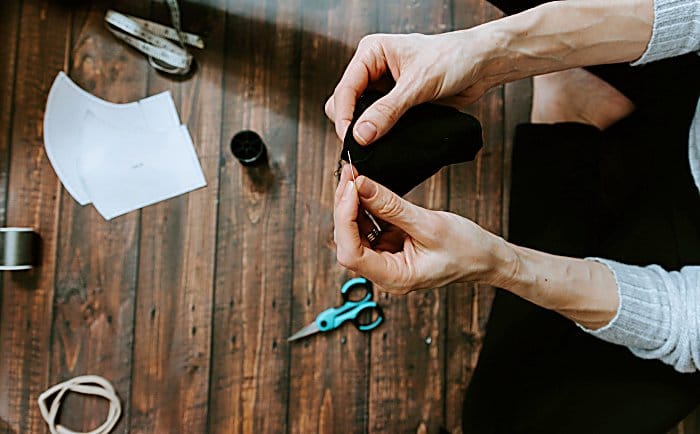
(357, 308)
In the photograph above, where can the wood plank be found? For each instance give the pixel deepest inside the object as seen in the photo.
(10, 11)
(250, 365)
(517, 105)
(476, 192)
(97, 260)
(407, 363)
(329, 372)
(172, 345)
(32, 201)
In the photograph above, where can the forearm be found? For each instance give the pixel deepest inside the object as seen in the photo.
(562, 35)
(583, 291)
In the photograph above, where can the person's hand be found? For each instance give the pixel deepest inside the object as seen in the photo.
(456, 68)
(441, 67)
(419, 249)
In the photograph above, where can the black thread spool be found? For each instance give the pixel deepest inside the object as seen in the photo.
(249, 149)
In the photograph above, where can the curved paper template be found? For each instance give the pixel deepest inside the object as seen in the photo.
(66, 112)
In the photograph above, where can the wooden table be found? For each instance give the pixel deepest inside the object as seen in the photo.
(186, 305)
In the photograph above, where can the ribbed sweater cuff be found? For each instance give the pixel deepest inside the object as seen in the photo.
(641, 322)
(676, 30)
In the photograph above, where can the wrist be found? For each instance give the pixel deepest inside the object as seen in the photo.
(481, 51)
(501, 263)
(581, 290)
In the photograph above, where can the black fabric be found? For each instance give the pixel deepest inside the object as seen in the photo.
(624, 194)
(425, 139)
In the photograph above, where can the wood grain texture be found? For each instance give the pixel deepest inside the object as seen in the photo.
(172, 345)
(328, 380)
(33, 192)
(186, 305)
(407, 366)
(253, 287)
(10, 13)
(93, 324)
(517, 101)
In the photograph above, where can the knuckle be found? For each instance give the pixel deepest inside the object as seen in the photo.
(368, 40)
(391, 206)
(388, 110)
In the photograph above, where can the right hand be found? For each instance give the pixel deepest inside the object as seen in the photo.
(444, 68)
(420, 248)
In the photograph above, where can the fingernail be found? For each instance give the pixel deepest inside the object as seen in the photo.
(366, 131)
(349, 187)
(366, 187)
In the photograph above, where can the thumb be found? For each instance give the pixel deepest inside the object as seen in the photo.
(381, 116)
(389, 207)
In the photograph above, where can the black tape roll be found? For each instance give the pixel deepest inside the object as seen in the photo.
(19, 249)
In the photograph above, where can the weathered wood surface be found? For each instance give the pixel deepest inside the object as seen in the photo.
(96, 261)
(32, 201)
(328, 377)
(186, 305)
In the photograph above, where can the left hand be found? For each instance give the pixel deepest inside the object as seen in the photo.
(420, 249)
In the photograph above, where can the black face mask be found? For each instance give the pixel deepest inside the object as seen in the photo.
(425, 139)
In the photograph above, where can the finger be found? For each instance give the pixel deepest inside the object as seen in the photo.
(368, 64)
(381, 116)
(345, 97)
(388, 206)
(351, 253)
(330, 108)
(363, 223)
(345, 176)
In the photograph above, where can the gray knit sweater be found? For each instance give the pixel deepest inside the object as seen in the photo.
(659, 312)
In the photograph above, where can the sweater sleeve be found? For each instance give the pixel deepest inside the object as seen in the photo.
(676, 30)
(659, 314)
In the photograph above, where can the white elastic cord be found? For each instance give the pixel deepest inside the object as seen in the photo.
(152, 39)
(86, 385)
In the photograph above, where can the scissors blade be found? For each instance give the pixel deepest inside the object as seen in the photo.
(306, 331)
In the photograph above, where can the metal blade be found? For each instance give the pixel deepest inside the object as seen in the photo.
(306, 331)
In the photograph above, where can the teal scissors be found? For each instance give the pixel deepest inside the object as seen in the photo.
(355, 307)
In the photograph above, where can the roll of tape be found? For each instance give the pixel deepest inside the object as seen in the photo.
(19, 249)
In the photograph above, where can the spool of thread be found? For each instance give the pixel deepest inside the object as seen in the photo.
(248, 148)
(19, 249)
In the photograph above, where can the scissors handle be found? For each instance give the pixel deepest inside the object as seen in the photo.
(365, 327)
(351, 309)
(357, 284)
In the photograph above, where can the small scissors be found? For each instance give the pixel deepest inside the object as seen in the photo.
(334, 317)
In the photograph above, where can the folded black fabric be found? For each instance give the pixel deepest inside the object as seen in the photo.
(425, 139)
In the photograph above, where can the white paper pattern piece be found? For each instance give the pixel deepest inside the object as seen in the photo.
(123, 170)
(93, 146)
